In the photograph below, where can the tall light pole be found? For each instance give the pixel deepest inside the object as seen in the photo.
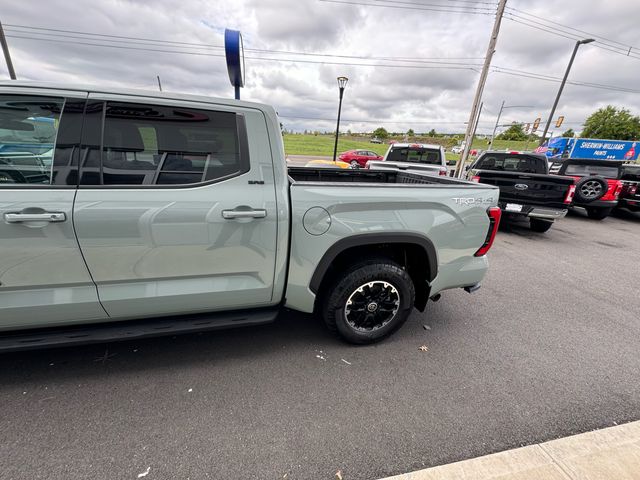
(342, 82)
(564, 80)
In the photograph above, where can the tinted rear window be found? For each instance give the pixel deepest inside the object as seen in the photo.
(415, 155)
(512, 163)
(602, 170)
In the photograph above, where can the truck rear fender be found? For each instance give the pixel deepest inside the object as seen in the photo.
(416, 253)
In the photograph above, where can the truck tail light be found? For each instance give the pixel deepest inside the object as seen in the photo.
(568, 198)
(494, 214)
(618, 189)
(443, 172)
(475, 178)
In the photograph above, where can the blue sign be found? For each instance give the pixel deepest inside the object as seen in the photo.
(234, 51)
(605, 149)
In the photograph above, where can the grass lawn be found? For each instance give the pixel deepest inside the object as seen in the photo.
(323, 145)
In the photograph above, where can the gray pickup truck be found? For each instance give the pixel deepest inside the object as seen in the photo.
(157, 213)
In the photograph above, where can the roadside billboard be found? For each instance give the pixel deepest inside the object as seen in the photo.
(604, 149)
(560, 147)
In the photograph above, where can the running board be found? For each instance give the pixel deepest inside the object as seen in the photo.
(132, 329)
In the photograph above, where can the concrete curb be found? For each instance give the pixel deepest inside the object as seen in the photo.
(608, 454)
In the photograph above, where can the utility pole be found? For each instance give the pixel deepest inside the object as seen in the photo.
(481, 82)
(159, 84)
(7, 55)
(564, 80)
(493, 134)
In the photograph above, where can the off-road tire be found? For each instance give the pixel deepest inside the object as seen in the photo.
(591, 188)
(376, 272)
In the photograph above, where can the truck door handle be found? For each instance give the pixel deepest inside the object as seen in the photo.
(17, 217)
(244, 212)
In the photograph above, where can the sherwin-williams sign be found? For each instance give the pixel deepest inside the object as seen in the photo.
(605, 149)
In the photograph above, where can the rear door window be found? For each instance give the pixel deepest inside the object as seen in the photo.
(28, 130)
(161, 145)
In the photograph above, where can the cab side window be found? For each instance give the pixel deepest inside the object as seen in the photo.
(161, 145)
(28, 130)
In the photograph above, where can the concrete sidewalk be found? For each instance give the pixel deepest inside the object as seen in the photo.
(608, 454)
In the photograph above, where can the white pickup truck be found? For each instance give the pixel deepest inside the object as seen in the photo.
(413, 157)
(146, 213)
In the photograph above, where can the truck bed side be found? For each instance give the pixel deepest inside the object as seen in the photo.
(449, 214)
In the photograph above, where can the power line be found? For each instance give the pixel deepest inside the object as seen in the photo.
(570, 27)
(452, 1)
(601, 43)
(448, 10)
(430, 64)
(445, 6)
(566, 34)
(105, 35)
(84, 36)
(536, 76)
(425, 64)
(425, 122)
(576, 82)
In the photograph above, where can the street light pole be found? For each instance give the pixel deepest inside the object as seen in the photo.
(493, 134)
(502, 107)
(342, 82)
(564, 80)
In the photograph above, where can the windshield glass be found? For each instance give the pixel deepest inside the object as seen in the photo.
(603, 170)
(415, 155)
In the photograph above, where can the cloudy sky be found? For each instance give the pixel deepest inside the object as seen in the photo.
(411, 63)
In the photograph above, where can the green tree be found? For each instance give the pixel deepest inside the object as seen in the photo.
(514, 132)
(380, 132)
(612, 123)
(569, 133)
(411, 133)
(432, 133)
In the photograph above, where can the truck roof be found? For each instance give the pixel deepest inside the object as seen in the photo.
(21, 84)
(415, 145)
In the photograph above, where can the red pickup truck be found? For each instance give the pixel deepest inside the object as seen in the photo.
(598, 183)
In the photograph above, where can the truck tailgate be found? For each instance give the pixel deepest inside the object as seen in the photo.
(528, 188)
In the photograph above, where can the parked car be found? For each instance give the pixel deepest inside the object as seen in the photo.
(376, 140)
(457, 149)
(167, 213)
(629, 197)
(598, 184)
(526, 188)
(358, 158)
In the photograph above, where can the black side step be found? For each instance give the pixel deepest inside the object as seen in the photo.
(132, 329)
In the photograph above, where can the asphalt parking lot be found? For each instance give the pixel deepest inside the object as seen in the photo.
(547, 348)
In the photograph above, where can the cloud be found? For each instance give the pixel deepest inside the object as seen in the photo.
(336, 39)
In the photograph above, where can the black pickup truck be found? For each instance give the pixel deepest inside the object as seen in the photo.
(526, 188)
